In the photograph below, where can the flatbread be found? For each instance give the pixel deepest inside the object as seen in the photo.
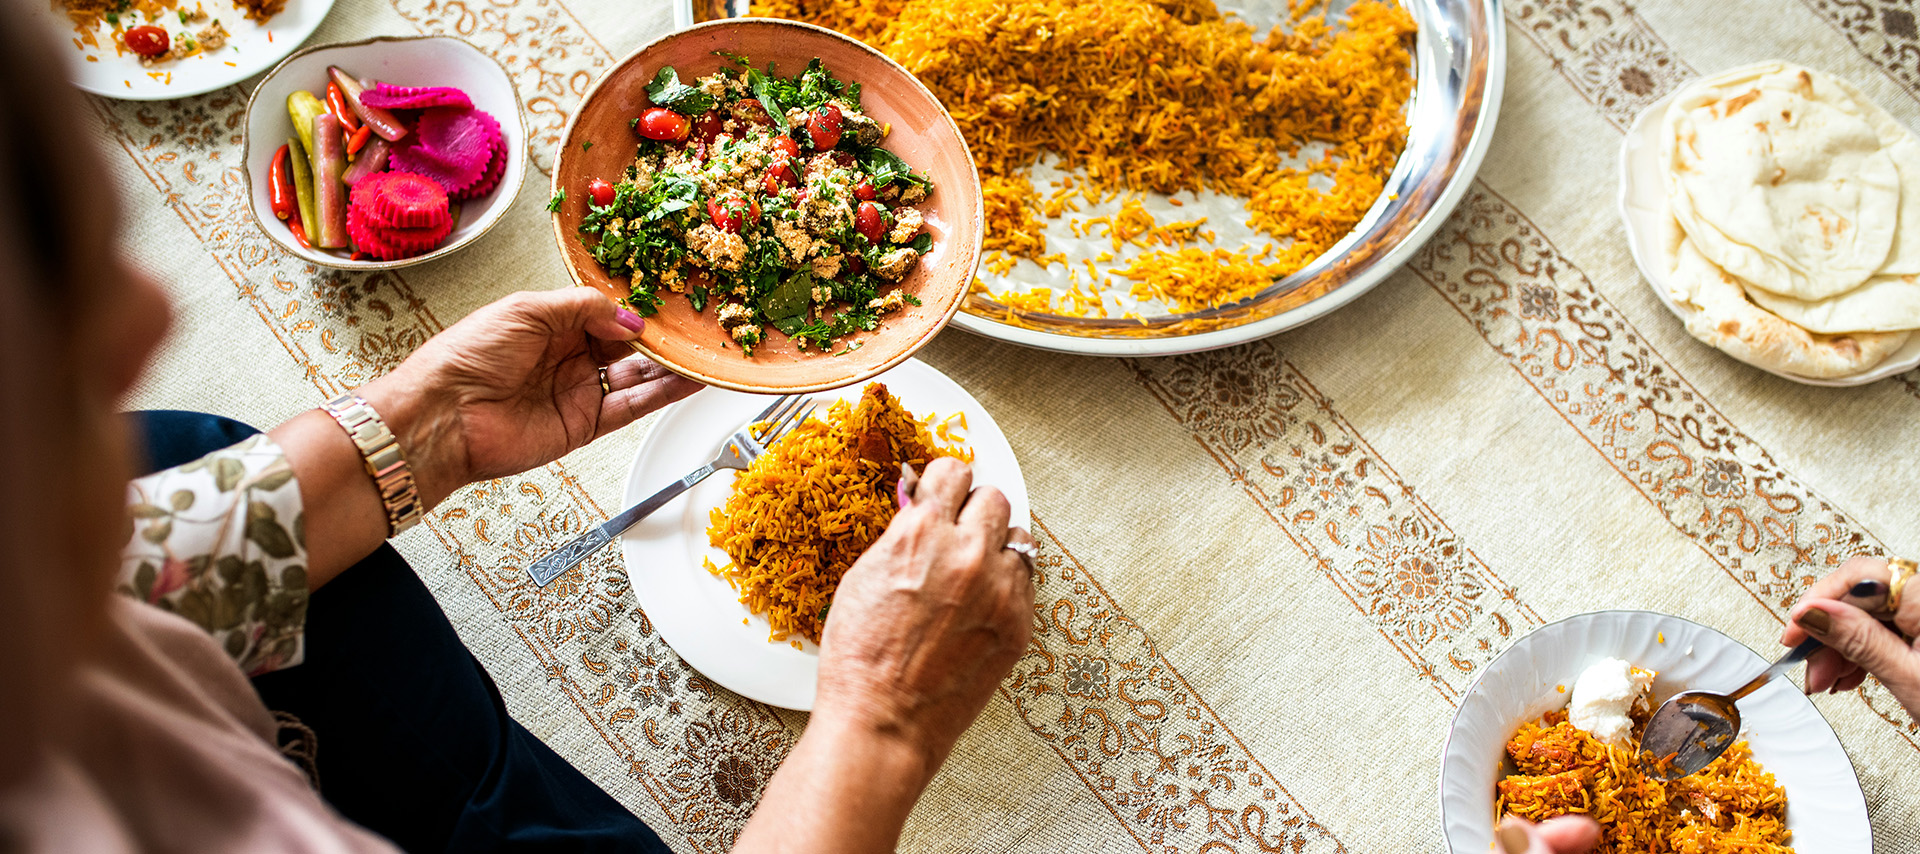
(1904, 148)
(1727, 320)
(1778, 177)
(1883, 304)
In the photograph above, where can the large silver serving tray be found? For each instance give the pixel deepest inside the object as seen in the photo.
(1460, 69)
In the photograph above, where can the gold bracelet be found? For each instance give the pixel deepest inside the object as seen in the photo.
(380, 453)
(1902, 570)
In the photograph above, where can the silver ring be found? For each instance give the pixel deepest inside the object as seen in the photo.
(1026, 551)
(606, 384)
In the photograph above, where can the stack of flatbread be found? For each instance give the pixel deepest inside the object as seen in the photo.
(1798, 206)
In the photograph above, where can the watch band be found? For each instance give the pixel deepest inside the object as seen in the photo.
(380, 452)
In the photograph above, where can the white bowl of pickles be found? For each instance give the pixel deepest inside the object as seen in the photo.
(383, 153)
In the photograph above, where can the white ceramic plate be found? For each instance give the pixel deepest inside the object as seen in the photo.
(404, 61)
(1825, 808)
(1653, 236)
(250, 49)
(698, 613)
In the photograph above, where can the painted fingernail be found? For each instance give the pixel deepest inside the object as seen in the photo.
(629, 319)
(903, 492)
(1814, 620)
(1513, 839)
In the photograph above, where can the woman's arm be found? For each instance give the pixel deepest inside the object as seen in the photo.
(235, 540)
(920, 632)
(512, 386)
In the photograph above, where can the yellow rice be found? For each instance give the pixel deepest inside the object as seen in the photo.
(804, 511)
(1155, 96)
(1730, 807)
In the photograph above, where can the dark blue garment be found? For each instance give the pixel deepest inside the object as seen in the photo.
(409, 737)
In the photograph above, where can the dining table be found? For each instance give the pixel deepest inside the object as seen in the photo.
(1266, 574)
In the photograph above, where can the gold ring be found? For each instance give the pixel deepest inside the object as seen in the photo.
(1902, 570)
(606, 385)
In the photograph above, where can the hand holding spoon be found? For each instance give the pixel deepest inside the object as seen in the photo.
(1693, 728)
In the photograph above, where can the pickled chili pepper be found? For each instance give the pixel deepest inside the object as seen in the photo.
(280, 195)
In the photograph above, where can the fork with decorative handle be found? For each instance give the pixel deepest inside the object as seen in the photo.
(785, 414)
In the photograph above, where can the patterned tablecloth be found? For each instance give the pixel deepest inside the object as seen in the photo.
(1268, 573)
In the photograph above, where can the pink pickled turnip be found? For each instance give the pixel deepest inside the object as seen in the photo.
(394, 97)
(451, 145)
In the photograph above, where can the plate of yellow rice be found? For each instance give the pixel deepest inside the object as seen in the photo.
(738, 573)
(1167, 176)
(1786, 785)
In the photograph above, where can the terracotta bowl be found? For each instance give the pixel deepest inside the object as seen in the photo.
(689, 342)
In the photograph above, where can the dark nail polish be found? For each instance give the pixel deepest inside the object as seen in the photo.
(1815, 620)
(629, 319)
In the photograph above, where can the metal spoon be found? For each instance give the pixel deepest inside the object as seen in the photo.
(1693, 728)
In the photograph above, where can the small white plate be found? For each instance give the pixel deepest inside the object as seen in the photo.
(403, 61)
(698, 613)
(1825, 808)
(250, 49)
(1653, 236)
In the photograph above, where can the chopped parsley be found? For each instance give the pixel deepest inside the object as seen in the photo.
(666, 90)
(553, 204)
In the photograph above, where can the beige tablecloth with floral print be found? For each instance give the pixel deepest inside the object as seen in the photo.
(1268, 572)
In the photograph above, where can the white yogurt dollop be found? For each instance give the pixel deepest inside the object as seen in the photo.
(1602, 697)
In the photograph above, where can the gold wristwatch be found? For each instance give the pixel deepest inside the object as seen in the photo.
(380, 452)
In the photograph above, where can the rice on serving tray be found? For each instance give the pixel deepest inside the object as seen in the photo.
(1730, 807)
(1154, 96)
(803, 512)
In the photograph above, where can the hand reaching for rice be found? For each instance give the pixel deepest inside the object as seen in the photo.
(1572, 834)
(921, 631)
(1858, 644)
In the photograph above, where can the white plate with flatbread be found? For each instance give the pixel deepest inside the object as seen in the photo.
(1657, 242)
(700, 614)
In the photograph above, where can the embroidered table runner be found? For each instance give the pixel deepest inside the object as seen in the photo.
(1268, 572)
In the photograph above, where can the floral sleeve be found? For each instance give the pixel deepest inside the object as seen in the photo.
(221, 542)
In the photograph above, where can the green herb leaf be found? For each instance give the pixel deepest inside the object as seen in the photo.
(790, 299)
(553, 204)
(666, 90)
(922, 243)
(587, 145)
(885, 167)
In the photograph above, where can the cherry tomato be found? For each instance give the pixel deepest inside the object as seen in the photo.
(785, 145)
(842, 159)
(750, 110)
(601, 191)
(779, 177)
(148, 41)
(824, 126)
(722, 219)
(710, 124)
(728, 213)
(863, 191)
(663, 124)
(855, 265)
(868, 221)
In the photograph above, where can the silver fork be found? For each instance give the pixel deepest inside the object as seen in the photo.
(786, 413)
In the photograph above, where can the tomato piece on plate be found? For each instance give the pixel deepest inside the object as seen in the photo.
(824, 126)
(148, 41)
(663, 124)
(601, 191)
(868, 221)
(779, 177)
(785, 145)
(863, 191)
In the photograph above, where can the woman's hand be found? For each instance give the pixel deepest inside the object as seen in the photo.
(927, 622)
(1857, 643)
(513, 386)
(921, 631)
(1571, 834)
(516, 385)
